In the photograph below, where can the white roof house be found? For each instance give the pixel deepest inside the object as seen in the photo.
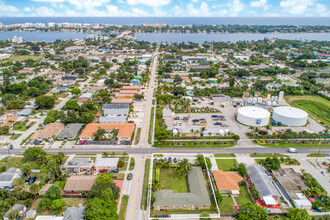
(110, 163)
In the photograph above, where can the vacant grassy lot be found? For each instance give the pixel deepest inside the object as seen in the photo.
(59, 183)
(13, 161)
(224, 155)
(244, 196)
(226, 164)
(226, 206)
(137, 137)
(170, 179)
(123, 207)
(22, 58)
(314, 105)
(193, 144)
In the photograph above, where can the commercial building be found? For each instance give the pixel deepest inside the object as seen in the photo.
(219, 99)
(253, 116)
(77, 165)
(227, 182)
(70, 131)
(106, 163)
(197, 198)
(290, 116)
(124, 133)
(76, 184)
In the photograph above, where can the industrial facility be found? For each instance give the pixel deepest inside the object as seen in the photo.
(290, 116)
(253, 116)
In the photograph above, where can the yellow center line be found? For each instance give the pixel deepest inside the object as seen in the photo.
(137, 179)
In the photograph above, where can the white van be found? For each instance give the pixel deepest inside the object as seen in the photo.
(292, 150)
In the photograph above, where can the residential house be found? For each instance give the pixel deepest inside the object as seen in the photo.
(116, 112)
(49, 131)
(227, 182)
(20, 208)
(106, 163)
(124, 133)
(7, 177)
(74, 213)
(124, 96)
(115, 106)
(197, 198)
(112, 119)
(78, 165)
(121, 101)
(70, 131)
(76, 184)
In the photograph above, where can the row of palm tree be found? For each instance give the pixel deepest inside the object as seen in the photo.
(112, 154)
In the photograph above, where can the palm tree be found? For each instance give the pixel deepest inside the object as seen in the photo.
(156, 185)
(113, 154)
(183, 167)
(105, 154)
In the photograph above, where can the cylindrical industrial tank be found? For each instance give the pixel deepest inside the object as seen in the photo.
(290, 116)
(280, 95)
(259, 100)
(253, 116)
(255, 100)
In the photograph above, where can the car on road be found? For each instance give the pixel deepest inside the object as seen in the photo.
(130, 176)
(292, 150)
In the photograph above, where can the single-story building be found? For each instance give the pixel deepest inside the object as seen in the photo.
(49, 131)
(70, 131)
(24, 112)
(76, 184)
(116, 112)
(124, 133)
(21, 209)
(115, 106)
(74, 213)
(197, 198)
(121, 101)
(7, 177)
(227, 182)
(78, 165)
(219, 99)
(106, 163)
(112, 119)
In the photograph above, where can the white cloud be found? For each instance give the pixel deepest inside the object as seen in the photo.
(296, 7)
(203, 10)
(27, 9)
(322, 9)
(50, 1)
(79, 4)
(195, 1)
(235, 7)
(149, 2)
(44, 11)
(258, 3)
(8, 10)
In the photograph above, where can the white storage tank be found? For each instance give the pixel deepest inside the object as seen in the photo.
(275, 98)
(249, 100)
(274, 103)
(269, 104)
(268, 97)
(255, 100)
(290, 116)
(280, 95)
(259, 100)
(253, 116)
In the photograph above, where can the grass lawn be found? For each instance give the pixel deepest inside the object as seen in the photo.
(14, 136)
(269, 155)
(224, 155)
(70, 202)
(226, 206)
(191, 144)
(137, 137)
(62, 95)
(151, 124)
(13, 161)
(123, 207)
(296, 145)
(22, 58)
(132, 164)
(244, 196)
(170, 179)
(59, 183)
(314, 105)
(145, 185)
(226, 164)
(316, 155)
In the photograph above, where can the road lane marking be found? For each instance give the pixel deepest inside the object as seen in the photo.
(137, 180)
(191, 150)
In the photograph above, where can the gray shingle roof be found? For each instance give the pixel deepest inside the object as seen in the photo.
(70, 131)
(74, 213)
(198, 194)
(114, 106)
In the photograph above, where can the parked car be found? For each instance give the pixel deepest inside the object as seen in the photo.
(217, 123)
(32, 180)
(82, 142)
(170, 159)
(175, 160)
(27, 179)
(130, 176)
(102, 170)
(114, 171)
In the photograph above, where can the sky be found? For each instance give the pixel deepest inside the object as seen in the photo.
(165, 8)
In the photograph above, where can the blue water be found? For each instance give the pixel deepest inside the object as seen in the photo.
(173, 20)
(170, 37)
